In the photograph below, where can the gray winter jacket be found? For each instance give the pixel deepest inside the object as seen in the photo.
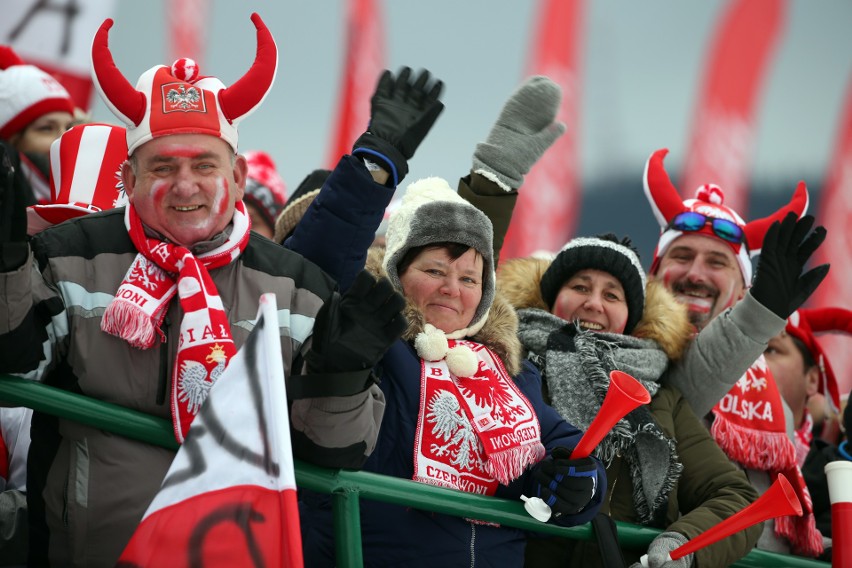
(88, 488)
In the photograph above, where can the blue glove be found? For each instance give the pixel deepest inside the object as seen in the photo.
(566, 485)
(658, 552)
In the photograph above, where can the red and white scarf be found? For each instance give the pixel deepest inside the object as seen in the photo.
(136, 313)
(749, 426)
(474, 432)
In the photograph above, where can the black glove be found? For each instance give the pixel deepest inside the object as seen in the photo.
(779, 283)
(13, 211)
(13, 214)
(566, 485)
(401, 114)
(353, 331)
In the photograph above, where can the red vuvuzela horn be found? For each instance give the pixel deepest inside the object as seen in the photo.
(625, 393)
(779, 500)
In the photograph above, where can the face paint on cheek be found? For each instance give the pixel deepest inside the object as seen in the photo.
(731, 301)
(158, 192)
(220, 203)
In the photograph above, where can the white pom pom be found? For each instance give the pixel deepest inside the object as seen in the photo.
(431, 344)
(462, 361)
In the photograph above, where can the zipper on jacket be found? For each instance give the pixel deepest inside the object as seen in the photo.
(164, 364)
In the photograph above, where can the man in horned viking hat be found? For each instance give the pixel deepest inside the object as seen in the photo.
(704, 257)
(145, 305)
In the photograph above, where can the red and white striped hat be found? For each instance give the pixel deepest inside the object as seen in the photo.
(178, 99)
(85, 175)
(804, 324)
(709, 200)
(26, 93)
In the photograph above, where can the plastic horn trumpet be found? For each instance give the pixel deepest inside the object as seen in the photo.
(625, 393)
(779, 500)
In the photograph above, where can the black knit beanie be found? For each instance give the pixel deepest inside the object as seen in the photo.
(605, 253)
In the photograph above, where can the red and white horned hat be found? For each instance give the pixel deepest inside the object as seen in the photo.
(85, 175)
(804, 324)
(709, 200)
(26, 93)
(177, 99)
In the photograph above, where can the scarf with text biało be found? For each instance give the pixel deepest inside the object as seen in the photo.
(473, 432)
(137, 311)
(749, 426)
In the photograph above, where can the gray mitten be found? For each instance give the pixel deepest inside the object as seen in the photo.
(525, 128)
(658, 552)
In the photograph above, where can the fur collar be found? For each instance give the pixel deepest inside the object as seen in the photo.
(499, 333)
(664, 320)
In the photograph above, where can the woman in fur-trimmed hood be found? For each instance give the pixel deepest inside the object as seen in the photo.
(590, 311)
(464, 411)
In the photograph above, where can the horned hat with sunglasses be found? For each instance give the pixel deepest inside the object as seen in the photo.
(706, 214)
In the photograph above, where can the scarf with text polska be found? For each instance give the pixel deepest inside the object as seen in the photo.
(749, 426)
(474, 431)
(137, 311)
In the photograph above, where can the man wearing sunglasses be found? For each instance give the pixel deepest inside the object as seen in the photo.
(704, 258)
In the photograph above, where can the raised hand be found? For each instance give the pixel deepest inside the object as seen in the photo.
(779, 283)
(402, 112)
(525, 129)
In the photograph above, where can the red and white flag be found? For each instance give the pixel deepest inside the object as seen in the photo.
(187, 22)
(548, 204)
(363, 64)
(723, 126)
(57, 37)
(229, 498)
(835, 214)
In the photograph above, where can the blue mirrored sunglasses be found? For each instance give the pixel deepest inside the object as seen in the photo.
(690, 221)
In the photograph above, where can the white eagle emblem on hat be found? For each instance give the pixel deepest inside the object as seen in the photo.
(183, 99)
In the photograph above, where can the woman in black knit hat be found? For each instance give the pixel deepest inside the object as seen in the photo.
(587, 312)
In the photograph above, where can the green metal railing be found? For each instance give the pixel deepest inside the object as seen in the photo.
(347, 488)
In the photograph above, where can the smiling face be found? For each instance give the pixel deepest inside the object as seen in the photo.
(37, 137)
(595, 299)
(185, 186)
(446, 291)
(703, 274)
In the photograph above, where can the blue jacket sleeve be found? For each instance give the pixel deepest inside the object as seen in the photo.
(340, 224)
(556, 432)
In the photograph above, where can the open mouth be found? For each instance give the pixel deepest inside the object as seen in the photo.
(187, 208)
(590, 325)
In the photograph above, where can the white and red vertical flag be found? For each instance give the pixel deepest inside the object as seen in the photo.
(56, 36)
(548, 204)
(229, 498)
(743, 46)
(187, 22)
(835, 214)
(362, 66)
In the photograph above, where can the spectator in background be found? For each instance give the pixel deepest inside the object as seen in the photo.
(265, 192)
(85, 178)
(298, 203)
(34, 111)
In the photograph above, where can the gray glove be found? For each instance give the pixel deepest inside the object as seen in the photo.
(525, 128)
(659, 549)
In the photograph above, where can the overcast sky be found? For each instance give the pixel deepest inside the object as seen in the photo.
(641, 68)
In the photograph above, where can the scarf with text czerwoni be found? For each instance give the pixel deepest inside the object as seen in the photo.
(473, 432)
(136, 313)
